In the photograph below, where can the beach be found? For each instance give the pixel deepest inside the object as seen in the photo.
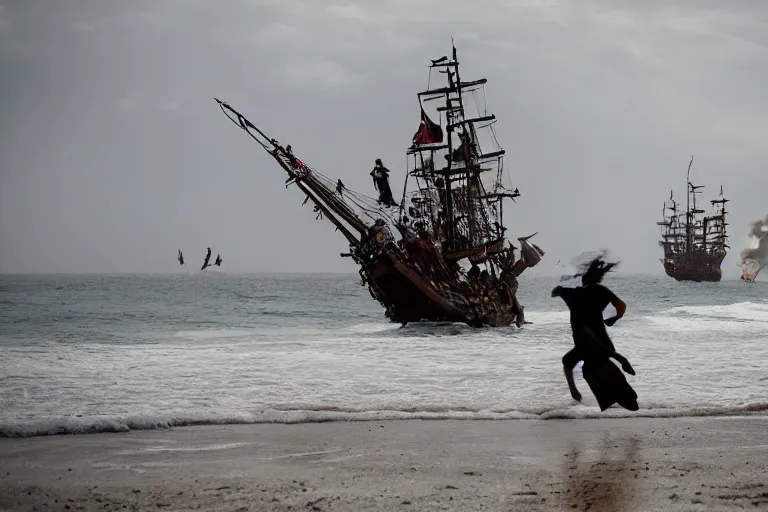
(212, 393)
(710, 463)
(241, 269)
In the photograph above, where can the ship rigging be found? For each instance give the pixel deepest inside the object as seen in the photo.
(450, 218)
(694, 244)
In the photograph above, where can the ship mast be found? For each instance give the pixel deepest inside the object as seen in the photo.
(695, 247)
(671, 228)
(688, 214)
(468, 222)
(719, 239)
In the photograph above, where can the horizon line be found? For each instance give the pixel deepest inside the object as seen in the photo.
(268, 273)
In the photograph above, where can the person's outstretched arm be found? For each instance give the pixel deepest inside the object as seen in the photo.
(621, 308)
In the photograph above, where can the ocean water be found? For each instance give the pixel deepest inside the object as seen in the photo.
(81, 354)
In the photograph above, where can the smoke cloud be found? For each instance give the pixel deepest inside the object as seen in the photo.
(759, 231)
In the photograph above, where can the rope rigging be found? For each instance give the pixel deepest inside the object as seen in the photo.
(422, 256)
(367, 205)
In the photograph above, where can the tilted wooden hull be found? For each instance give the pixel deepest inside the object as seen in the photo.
(410, 297)
(413, 279)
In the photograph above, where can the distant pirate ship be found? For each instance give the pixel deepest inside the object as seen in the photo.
(450, 216)
(694, 244)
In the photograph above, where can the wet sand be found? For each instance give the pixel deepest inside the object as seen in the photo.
(642, 464)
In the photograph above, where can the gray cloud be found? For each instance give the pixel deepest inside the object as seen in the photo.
(113, 153)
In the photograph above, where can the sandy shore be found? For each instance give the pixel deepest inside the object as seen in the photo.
(607, 464)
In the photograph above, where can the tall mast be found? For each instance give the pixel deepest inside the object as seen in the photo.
(467, 163)
(449, 132)
(470, 212)
(688, 214)
(454, 114)
(719, 242)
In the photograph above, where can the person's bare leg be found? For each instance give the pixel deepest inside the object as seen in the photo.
(571, 384)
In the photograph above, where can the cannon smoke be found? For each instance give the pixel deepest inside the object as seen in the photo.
(758, 231)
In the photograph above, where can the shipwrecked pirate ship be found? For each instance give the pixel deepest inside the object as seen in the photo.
(441, 253)
(694, 243)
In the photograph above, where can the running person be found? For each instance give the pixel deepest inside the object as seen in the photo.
(592, 343)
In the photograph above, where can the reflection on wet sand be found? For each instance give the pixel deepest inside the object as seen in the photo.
(608, 482)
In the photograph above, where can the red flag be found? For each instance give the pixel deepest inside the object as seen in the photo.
(428, 132)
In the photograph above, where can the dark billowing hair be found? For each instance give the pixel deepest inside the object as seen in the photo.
(593, 268)
(596, 271)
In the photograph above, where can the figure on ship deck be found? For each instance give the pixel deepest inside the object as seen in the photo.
(381, 184)
(466, 148)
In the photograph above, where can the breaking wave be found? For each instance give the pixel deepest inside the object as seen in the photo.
(104, 424)
(100, 354)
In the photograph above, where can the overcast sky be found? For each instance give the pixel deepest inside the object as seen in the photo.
(113, 154)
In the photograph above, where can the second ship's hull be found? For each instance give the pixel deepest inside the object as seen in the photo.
(698, 270)
(694, 275)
